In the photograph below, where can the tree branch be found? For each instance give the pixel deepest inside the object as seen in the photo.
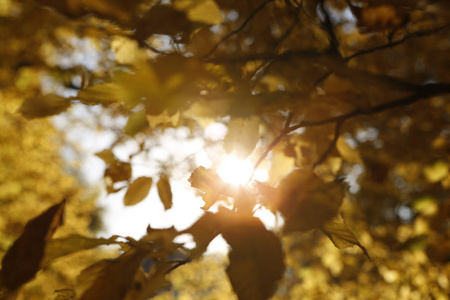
(334, 43)
(396, 43)
(323, 157)
(237, 30)
(423, 92)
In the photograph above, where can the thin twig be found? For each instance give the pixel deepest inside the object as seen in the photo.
(396, 43)
(237, 30)
(323, 157)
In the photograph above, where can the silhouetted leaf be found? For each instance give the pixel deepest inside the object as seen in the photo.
(209, 182)
(256, 256)
(44, 106)
(204, 230)
(242, 136)
(164, 191)
(111, 279)
(23, 260)
(138, 190)
(340, 235)
(306, 201)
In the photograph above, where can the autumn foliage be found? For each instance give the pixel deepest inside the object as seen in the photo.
(345, 103)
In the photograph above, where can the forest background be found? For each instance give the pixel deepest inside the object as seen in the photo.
(343, 103)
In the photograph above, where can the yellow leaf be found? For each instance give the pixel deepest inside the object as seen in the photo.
(44, 106)
(436, 171)
(242, 136)
(138, 190)
(107, 156)
(71, 244)
(103, 93)
(164, 191)
(136, 123)
(209, 182)
(340, 235)
(281, 165)
(201, 11)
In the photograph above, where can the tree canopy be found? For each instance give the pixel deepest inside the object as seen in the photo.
(344, 103)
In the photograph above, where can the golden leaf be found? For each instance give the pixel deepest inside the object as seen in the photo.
(44, 106)
(164, 191)
(242, 136)
(138, 190)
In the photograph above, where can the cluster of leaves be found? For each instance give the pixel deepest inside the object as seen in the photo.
(322, 93)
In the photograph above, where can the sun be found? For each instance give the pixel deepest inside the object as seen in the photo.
(238, 171)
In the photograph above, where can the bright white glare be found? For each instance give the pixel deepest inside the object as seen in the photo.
(237, 171)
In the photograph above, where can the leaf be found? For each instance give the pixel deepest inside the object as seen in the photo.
(111, 279)
(103, 93)
(107, 156)
(242, 136)
(138, 190)
(164, 191)
(74, 243)
(340, 235)
(136, 123)
(44, 106)
(23, 260)
(256, 256)
(119, 171)
(202, 11)
(306, 201)
(209, 182)
(436, 171)
(204, 230)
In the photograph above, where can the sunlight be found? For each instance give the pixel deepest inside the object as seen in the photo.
(237, 171)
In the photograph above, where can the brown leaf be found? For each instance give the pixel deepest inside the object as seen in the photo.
(204, 230)
(340, 235)
(209, 182)
(256, 256)
(111, 279)
(23, 260)
(118, 171)
(306, 201)
(164, 191)
(138, 190)
(103, 93)
(44, 106)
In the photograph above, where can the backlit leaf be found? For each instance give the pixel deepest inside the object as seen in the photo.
(242, 136)
(44, 106)
(256, 256)
(56, 248)
(436, 171)
(209, 182)
(23, 260)
(136, 123)
(202, 11)
(164, 191)
(103, 93)
(340, 235)
(138, 190)
(348, 153)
